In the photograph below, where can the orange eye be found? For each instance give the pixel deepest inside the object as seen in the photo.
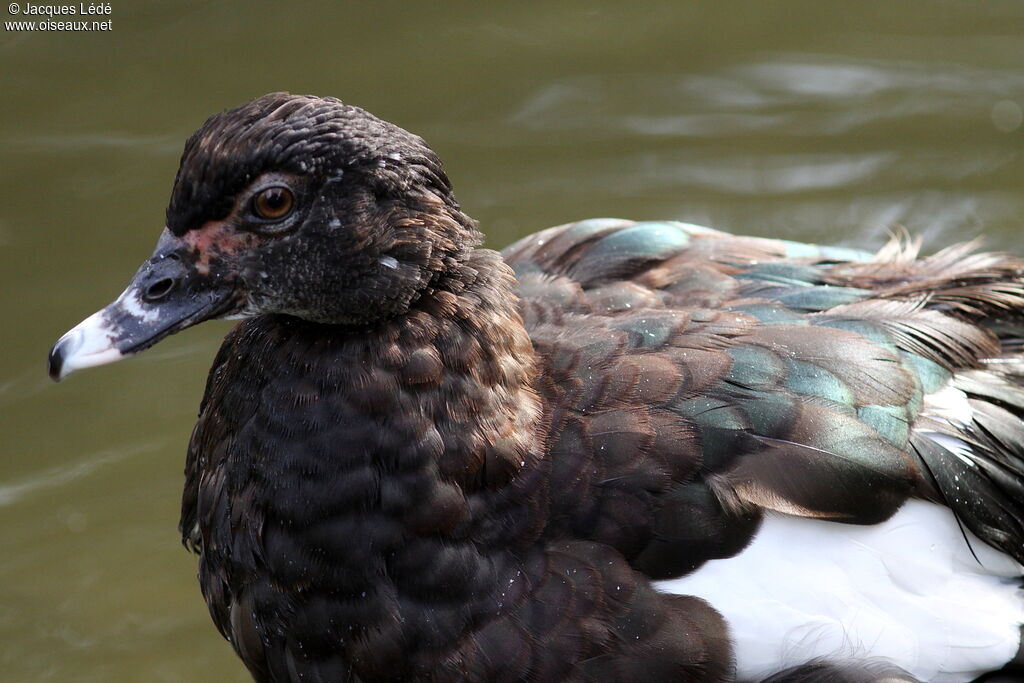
(273, 203)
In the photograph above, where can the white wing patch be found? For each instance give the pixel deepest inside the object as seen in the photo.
(908, 590)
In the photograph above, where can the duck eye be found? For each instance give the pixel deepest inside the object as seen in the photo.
(273, 203)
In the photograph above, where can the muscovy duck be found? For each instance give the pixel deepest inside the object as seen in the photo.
(615, 451)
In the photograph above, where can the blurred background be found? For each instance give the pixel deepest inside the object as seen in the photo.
(810, 120)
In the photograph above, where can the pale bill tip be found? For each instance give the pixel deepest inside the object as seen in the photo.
(88, 344)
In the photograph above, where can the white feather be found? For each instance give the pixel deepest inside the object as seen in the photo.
(907, 590)
(950, 405)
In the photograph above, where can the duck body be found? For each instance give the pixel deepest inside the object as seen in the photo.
(615, 451)
(437, 492)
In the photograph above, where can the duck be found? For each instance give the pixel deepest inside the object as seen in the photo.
(613, 451)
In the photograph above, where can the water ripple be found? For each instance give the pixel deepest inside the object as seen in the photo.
(15, 492)
(799, 95)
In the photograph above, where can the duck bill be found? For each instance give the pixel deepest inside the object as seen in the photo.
(167, 294)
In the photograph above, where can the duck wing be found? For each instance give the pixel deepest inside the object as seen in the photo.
(697, 379)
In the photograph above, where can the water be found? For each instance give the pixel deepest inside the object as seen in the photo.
(815, 121)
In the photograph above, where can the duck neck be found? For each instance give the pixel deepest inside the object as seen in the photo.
(384, 474)
(463, 359)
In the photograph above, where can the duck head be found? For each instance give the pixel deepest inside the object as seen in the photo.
(288, 204)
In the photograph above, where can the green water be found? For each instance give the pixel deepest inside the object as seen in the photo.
(824, 121)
